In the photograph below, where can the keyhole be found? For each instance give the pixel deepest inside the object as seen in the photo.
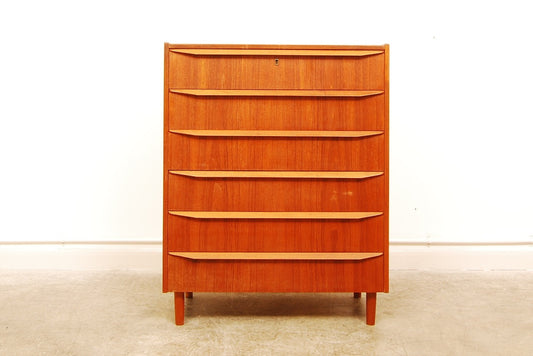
(276, 61)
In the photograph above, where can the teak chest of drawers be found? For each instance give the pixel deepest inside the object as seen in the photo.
(276, 170)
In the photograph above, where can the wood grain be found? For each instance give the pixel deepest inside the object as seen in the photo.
(188, 112)
(179, 308)
(287, 215)
(275, 133)
(273, 92)
(275, 194)
(385, 196)
(277, 174)
(166, 122)
(276, 235)
(276, 276)
(276, 52)
(272, 256)
(277, 46)
(279, 73)
(276, 154)
(370, 308)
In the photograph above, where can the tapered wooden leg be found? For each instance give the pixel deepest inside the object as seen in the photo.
(179, 307)
(188, 295)
(357, 295)
(370, 308)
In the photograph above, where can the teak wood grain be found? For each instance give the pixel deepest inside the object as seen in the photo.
(278, 174)
(304, 154)
(166, 122)
(267, 194)
(276, 52)
(276, 170)
(276, 133)
(277, 235)
(386, 192)
(180, 46)
(284, 215)
(277, 92)
(187, 112)
(278, 256)
(266, 72)
(276, 276)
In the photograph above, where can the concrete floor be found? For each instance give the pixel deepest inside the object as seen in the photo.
(125, 313)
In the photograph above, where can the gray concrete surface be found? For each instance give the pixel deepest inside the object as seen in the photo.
(125, 313)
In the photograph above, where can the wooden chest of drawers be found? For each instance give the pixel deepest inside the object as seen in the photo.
(275, 170)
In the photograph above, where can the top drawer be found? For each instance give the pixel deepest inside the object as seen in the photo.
(276, 69)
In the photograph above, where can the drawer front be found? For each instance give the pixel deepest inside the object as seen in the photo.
(230, 194)
(264, 72)
(276, 113)
(279, 235)
(275, 276)
(300, 154)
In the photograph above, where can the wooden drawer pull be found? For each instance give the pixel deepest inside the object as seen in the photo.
(282, 93)
(276, 133)
(301, 256)
(277, 174)
(276, 52)
(305, 215)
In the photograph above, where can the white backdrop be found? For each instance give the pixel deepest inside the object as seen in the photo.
(81, 109)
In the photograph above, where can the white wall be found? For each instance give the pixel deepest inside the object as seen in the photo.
(81, 109)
